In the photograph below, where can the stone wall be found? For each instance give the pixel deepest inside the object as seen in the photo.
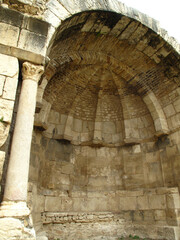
(17, 30)
(105, 158)
(137, 211)
(66, 167)
(71, 185)
(9, 70)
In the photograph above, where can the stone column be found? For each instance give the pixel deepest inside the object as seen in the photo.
(15, 194)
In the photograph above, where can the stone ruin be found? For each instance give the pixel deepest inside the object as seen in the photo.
(89, 122)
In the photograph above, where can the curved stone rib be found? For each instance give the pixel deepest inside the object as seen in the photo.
(157, 113)
(63, 9)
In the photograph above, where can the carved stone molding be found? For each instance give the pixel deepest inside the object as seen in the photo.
(32, 71)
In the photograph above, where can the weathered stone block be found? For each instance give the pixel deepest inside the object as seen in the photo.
(6, 109)
(173, 201)
(53, 204)
(127, 203)
(12, 228)
(35, 25)
(11, 17)
(9, 34)
(177, 105)
(157, 202)
(169, 110)
(77, 125)
(142, 202)
(160, 215)
(36, 42)
(10, 87)
(8, 65)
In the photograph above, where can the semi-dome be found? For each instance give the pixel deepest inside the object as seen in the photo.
(107, 79)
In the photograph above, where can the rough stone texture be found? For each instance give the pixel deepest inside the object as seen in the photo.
(105, 152)
(23, 37)
(12, 228)
(78, 184)
(9, 70)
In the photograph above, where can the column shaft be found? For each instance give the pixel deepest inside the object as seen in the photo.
(18, 168)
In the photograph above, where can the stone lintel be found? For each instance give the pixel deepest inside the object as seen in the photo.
(22, 54)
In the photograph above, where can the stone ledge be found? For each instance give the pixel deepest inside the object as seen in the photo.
(22, 54)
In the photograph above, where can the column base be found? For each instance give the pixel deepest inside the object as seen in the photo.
(16, 222)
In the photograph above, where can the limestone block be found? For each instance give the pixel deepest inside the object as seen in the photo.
(107, 137)
(35, 25)
(169, 110)
(12, 228)
(85, 137)
(160, 215)
(9, 34)
(77, 125)
(32, 42)
(79, 204)
(64, 179)
(157, 201)
(120, 25)
(85, 128)
(8, 65)
(171, 216)
(67, 169)
(53, 117)
(49, 131)
(74, 7)
(149, 216)
(58, 10)
(142, 203)
(10, 16)
(173, 201)
(6, 109)
(97, 181)
(90, 126)
(138, 216)
(128, 31)
(97, 204)
(127, 203)
(63, 118)
(116, 138)
(51, 18)
(175, 120)
(98, 126)
(97, 135)
(177, 105)
(68, 127)
(10, 87)
(109, 127)
(53, 204)
(67, 204)
(39, 203)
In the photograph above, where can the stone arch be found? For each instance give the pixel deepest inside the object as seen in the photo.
(58, 11)
(130, 69)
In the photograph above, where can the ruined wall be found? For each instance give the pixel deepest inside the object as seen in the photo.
(9, 70)
(85, 189)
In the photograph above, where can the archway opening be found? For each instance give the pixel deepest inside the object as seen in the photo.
(102, 166)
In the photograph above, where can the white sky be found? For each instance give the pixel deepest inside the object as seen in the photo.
(167, 12)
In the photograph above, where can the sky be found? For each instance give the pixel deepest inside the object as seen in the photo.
(165, 11)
